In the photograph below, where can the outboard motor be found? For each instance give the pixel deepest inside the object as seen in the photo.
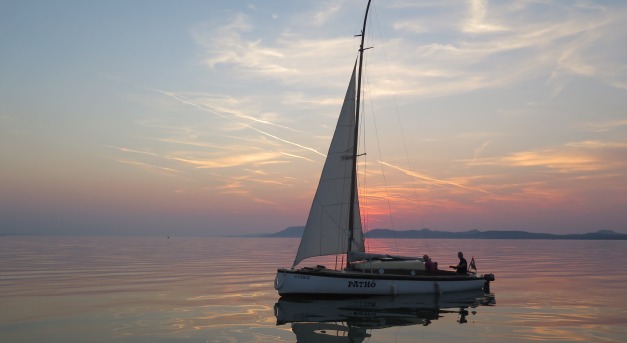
(486, 285)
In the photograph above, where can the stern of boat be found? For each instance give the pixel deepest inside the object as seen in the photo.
(279, 279)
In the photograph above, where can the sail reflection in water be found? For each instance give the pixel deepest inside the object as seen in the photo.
(351, 320)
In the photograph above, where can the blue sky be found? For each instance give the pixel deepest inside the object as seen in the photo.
(196, 117)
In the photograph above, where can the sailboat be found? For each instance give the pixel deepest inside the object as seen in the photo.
(334, 228)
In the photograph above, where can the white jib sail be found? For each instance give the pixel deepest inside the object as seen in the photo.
(326, 231)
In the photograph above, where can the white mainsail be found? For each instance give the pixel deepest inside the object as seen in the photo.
(327, 231)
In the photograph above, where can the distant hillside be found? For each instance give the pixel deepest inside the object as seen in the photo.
(476, 234)
(290, 232)
(297, 232)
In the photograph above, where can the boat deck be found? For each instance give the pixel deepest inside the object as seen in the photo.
(387, 274)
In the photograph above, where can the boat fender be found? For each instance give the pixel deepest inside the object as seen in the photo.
(489, 277)
(437, 288)
(381, 271)
(413, 273)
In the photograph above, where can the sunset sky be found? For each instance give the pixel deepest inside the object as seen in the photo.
(214, 117)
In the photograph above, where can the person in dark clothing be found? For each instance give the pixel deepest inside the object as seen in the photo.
(430, 266)
(462, 266)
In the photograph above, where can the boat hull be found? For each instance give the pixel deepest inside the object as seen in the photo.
(333, 282)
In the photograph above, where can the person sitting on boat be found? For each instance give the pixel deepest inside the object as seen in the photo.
(430, 266)
(462, 266)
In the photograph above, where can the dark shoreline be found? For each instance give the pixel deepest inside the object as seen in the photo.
(297, 231)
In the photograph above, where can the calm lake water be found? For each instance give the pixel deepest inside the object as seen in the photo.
(87, 289)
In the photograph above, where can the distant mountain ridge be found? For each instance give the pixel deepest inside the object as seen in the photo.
(297, 232)
(290, 232)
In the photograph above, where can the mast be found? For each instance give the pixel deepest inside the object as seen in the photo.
(351, 218)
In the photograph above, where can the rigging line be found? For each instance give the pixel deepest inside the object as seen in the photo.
(403, 140)
(364, 194)
(362, 197)
(385, 184)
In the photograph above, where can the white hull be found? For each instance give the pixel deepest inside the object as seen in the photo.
(332, 282)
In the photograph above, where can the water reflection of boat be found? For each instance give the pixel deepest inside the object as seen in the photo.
(349, 320)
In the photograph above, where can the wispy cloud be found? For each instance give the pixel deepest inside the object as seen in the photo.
(280, 59)
(605, 125)
(134, 151)
(595, 144)
(323, 16)
(566, 162)
(226, 116)
(477, 57)
(477, 21)
(479, 150)
(237, 187)
(297, 156)
(572, 157)
(151, 166)
(431, 180)
(528, 47)
(229, 161)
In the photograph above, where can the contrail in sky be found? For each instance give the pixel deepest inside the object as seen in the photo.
(203, 108)
(431, 180)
